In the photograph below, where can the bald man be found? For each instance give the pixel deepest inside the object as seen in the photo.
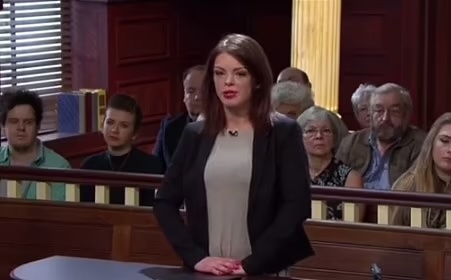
(294, 75)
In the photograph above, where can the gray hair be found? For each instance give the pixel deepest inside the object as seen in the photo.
(315, 113)
(392, 87)
(289, 92)
(363, 92)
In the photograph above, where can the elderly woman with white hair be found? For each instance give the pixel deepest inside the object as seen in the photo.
(322, 134)
(360, 100)
(291, 98)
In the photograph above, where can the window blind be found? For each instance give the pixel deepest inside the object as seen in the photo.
(35, 50)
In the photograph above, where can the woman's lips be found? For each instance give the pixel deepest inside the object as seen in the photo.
(230, 94)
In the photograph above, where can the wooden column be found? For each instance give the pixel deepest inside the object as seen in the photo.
(316, 46)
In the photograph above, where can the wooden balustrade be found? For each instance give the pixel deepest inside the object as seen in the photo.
(102, 180)
(33, 229)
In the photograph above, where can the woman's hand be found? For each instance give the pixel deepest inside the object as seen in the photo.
(217, 266)
(239, 271)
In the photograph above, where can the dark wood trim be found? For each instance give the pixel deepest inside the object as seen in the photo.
(78, 176)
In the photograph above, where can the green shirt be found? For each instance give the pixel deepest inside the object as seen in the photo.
(46, 158)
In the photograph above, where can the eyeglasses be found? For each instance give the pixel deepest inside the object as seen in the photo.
(312, 132)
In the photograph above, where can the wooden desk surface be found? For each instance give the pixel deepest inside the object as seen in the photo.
(72, 268)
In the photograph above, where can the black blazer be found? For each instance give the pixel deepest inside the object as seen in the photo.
(168, 137)
(279, 199)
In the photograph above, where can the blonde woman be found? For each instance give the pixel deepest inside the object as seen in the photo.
(322, 134)
(430, 173)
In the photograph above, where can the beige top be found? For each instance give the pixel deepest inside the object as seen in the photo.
(227, 180)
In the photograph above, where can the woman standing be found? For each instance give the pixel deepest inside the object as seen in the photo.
(242, 173)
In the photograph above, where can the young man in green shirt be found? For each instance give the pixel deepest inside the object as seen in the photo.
(20, 116)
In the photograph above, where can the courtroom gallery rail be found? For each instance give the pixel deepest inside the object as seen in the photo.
(77, 176)
(34, 229)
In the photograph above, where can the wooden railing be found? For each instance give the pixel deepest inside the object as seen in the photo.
(33, 229)
(73, 178)
(103, 180)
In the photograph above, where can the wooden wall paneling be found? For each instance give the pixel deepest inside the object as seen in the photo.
(34, 230)
(348, 251)
(141, 250)
(141, 39)
(270, 24)
(380, 42)
(152, 93)
(192, 43)
(447, 266)
(412, 53)
(200, 25)
(340, 258)
(434, 264)
(437, 88)
(29, 237)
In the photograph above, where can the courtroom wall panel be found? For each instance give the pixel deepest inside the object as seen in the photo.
(269, 22)
(437, 60)
(380, 42)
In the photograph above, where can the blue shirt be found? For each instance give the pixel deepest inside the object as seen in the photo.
(376, 176)
(45, 158)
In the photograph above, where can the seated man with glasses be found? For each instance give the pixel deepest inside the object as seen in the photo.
(385, 150)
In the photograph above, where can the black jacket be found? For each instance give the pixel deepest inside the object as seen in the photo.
(168, 137)
(279, 199)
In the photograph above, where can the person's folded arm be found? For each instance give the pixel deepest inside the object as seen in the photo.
(295, 202)
(169, 198)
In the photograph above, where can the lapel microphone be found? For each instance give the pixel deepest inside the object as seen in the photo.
(233, 133)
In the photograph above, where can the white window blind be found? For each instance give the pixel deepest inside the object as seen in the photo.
(35, 50)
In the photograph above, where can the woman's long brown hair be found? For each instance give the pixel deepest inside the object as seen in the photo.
(421, 176)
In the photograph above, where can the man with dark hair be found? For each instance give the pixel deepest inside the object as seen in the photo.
(172, 127)
(20, 117)
(121, 125)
